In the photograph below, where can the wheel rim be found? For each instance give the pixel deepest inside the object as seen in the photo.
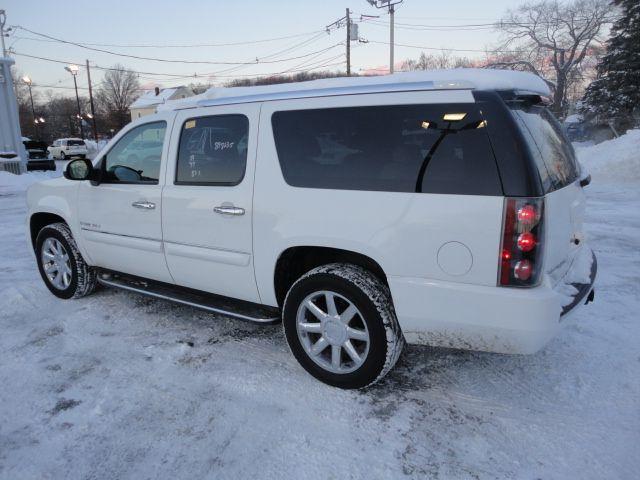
(56, 263)
(332, 332)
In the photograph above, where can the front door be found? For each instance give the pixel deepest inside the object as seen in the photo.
(207, 200)
(120, 219)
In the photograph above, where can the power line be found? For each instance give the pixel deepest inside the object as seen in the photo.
(488, 50)
(169, 74)
(176, 76)
(164, 60)
(195, 45)
(466, 26)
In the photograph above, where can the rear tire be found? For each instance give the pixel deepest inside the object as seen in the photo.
(63, 156)
(61, 266)
(341, 326)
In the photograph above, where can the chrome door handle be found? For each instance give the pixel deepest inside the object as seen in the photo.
(227, 210)
(144, 205)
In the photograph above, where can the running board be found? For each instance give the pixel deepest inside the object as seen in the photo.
(229, 307)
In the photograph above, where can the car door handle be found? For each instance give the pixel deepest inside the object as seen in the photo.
(227, 210)
(144, 205)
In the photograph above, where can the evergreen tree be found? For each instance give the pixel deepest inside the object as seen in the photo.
(616, 92)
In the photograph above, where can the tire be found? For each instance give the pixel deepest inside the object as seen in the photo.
(62, 155)
(75, 278)
(363, 308)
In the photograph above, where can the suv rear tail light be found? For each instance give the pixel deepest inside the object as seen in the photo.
(522, 243)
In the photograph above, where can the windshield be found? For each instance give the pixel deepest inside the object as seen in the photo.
(552, 151)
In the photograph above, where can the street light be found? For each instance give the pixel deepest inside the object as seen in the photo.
(27, 80)
(73, 70)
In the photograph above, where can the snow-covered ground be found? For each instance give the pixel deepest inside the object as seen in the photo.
(121, 386)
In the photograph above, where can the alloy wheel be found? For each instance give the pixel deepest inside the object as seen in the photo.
(56, 263)
(332, 332)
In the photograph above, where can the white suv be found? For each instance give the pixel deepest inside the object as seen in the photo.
(64, 148)
(442, 208)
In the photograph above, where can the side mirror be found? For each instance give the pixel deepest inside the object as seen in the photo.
(81, 169)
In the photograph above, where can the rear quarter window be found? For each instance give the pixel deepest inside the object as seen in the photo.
(400, 148)
(548, 144)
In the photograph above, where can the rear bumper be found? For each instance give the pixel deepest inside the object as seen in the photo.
(484, 318)
(585, 291)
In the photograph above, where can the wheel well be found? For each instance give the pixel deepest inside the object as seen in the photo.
(40, 220)
(296, 261)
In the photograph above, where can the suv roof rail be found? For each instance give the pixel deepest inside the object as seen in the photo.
(454, 79)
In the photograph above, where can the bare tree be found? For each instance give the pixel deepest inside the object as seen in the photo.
(431, 61)
(552, 39)
(119, 89)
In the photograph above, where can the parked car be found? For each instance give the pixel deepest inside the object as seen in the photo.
(38, 156)
(64, 148)
(441, 208)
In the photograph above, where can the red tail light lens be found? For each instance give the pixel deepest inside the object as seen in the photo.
(523, 270)
(526, 241)
(522, 242)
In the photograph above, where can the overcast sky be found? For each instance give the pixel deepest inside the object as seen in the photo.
(160, 22)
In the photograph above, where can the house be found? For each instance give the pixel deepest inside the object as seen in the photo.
(148, 102)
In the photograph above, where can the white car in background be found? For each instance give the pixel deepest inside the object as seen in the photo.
(64, 148)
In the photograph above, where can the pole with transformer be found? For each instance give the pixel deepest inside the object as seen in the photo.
(93, 112)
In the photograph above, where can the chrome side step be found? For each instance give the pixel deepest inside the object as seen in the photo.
(239, 309)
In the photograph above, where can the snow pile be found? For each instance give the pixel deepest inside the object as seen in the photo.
(613, 161)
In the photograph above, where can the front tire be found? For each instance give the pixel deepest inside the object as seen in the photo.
(341, 326)
(61, 266)
(63, 156)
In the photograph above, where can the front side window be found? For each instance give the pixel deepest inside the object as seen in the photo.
(213, 150)
(137, 155)
(433, 148)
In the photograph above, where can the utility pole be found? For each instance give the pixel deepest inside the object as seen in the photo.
(93, 112)
(26, 79)
(390, 4)
(3, 20)
(392, 10)
(348, 44)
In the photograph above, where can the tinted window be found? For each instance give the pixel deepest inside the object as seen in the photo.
(213, 150)
(136, 157)
(548, 144)
(75, 142)
(402, 148)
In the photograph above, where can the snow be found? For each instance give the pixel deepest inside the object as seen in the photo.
(616, 160)
(475, 78)
(116, 385)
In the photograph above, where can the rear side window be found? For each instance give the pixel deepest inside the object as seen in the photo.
(213, 150)
(549, 146)
(401, 148)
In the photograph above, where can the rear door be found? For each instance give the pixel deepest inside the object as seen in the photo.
(207, 200)
(559, 174)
